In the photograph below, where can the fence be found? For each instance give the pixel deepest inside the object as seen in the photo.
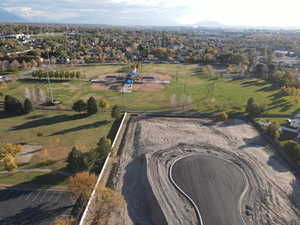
(85, 213)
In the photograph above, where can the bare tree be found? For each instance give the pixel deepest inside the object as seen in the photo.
(40, 95)
(106, 201)
(173, 100)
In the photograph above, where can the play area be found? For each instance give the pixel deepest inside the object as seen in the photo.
(131, 81)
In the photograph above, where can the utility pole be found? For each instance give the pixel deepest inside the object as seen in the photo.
(49, 83)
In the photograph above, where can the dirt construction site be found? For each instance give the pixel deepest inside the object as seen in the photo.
(181, 171)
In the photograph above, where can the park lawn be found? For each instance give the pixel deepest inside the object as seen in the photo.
(60, 132)
(187, 80)
(90, 71)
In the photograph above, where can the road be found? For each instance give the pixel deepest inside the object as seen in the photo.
(214, 185)
(38, 207)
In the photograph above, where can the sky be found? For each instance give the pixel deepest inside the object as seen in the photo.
(159, 12)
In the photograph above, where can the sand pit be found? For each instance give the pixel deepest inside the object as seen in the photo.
(146, 87)
(153, 144)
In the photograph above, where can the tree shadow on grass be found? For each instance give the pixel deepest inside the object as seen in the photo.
(4, 115)
(49, 121)
(35, 117)
(277, 95)
(256, 83)
(41, 164)
(271, 87)
(86, 126)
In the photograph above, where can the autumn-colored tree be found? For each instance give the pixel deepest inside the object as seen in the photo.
(103, 104)
(63, 221)
(106, 201)
(229, 69)
(81, 185)
(8, 153)
(10, 162)
(9, 149)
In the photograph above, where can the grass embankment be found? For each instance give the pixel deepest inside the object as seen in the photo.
(60, 132)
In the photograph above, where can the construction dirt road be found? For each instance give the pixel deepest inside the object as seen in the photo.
(152, 144)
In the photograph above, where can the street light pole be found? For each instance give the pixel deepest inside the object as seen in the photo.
(49, 83)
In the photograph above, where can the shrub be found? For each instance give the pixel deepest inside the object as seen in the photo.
(116, 112)
(273, 130)
(103, 104)
(222, 116)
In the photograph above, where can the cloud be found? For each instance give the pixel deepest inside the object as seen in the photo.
(158, 12)
(28, 13)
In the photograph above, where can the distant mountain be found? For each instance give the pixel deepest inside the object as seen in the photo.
(209, 24)
(9, 17)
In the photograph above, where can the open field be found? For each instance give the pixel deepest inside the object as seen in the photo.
(57, 133)
(206, 93)
(152, 144)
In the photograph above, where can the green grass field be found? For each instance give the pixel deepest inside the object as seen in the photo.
(186, 80)
(60, 132)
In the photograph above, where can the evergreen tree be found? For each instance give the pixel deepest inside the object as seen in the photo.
(28, 107)
(12, 105)
(79, 106)
(75, 160)
(99, 155)
(92, 107)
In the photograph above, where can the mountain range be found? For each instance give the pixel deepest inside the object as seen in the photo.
(9, 17)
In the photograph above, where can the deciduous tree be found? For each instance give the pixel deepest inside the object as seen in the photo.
(106, 201)
(103, 104)
(116, 112)
(81, 185)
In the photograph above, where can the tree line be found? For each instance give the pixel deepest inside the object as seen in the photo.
(67, 75)
(91, 107)
(12, 105)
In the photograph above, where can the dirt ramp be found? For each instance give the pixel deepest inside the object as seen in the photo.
(142, 205)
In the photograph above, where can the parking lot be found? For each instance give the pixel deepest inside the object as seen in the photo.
(38, 207)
